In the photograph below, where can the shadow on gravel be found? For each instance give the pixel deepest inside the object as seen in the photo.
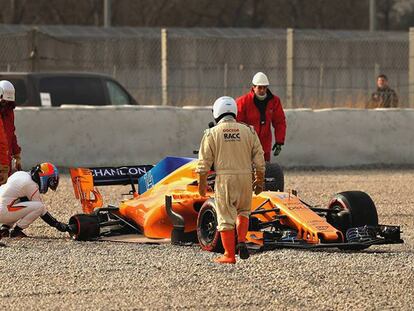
(11, 241)
(44, 237)
(353, 252)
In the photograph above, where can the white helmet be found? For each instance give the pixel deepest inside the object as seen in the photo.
(224, 105)
(260, 79)
(8, 90)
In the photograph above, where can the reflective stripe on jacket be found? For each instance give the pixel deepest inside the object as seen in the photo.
(232, 147)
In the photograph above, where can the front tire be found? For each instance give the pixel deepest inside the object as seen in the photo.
(356, 209)
(84, 227)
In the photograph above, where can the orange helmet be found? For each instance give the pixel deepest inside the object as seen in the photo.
(46, 175)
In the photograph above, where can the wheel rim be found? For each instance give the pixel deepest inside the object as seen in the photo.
(341, 219)
(75, 225)
(208, 226)
(338, 206)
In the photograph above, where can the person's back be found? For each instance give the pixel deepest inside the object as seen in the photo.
(234, 146)
(19, 185)
(21, 203)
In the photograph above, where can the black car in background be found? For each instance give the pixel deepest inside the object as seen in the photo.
(54, 89)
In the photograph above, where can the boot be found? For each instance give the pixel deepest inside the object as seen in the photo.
(242, 228)
(17, 232)
(4, 231)
(228, 240)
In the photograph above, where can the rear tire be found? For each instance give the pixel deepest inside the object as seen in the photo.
(207, 233)
(356, 210)
(274, 177)
(84, 227)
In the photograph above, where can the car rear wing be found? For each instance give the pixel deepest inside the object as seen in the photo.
(109, 176)
(85, 180)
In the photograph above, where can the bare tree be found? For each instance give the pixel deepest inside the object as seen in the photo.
(385, 13)
(326, 14)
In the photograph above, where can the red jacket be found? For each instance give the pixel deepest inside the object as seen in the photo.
(7, 116)
(248, 113)
(4, 149)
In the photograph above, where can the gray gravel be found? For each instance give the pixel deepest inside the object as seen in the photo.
(49, 271)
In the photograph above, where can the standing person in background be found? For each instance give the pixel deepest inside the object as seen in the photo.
(233, 148)
(261, 109)
(384, 96)
(7, 105)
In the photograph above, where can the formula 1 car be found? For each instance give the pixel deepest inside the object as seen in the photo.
(167, 205)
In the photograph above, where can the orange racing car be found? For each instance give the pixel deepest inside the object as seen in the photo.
(167, 205)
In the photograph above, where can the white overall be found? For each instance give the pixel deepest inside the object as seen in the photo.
(12, 210)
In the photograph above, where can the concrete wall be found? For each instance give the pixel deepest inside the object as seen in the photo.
(86, 136)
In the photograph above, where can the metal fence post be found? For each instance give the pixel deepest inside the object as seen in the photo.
(289, 67)
(225, 74)
(320, 88)
(377, 70)
(33, 49)
(372, 15)
(411, 68)
(164, 67)
(107, 13)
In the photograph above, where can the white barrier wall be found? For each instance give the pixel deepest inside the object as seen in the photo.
(90, 136)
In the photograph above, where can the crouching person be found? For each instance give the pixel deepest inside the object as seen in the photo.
(233, 147)
(21, 203)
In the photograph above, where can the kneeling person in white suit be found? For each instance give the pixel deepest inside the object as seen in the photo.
(21, 203)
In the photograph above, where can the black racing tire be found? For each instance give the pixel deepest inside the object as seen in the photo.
(356, 210)
(84, 227)
(207, 233)
(274, 177)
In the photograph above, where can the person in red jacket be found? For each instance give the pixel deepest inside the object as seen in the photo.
(7, 105)
(261, 109)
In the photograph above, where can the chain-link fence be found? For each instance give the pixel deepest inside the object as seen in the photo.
(15, 51)
(207, 63)
(339, 68)
(130, 55)
(306, 68)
